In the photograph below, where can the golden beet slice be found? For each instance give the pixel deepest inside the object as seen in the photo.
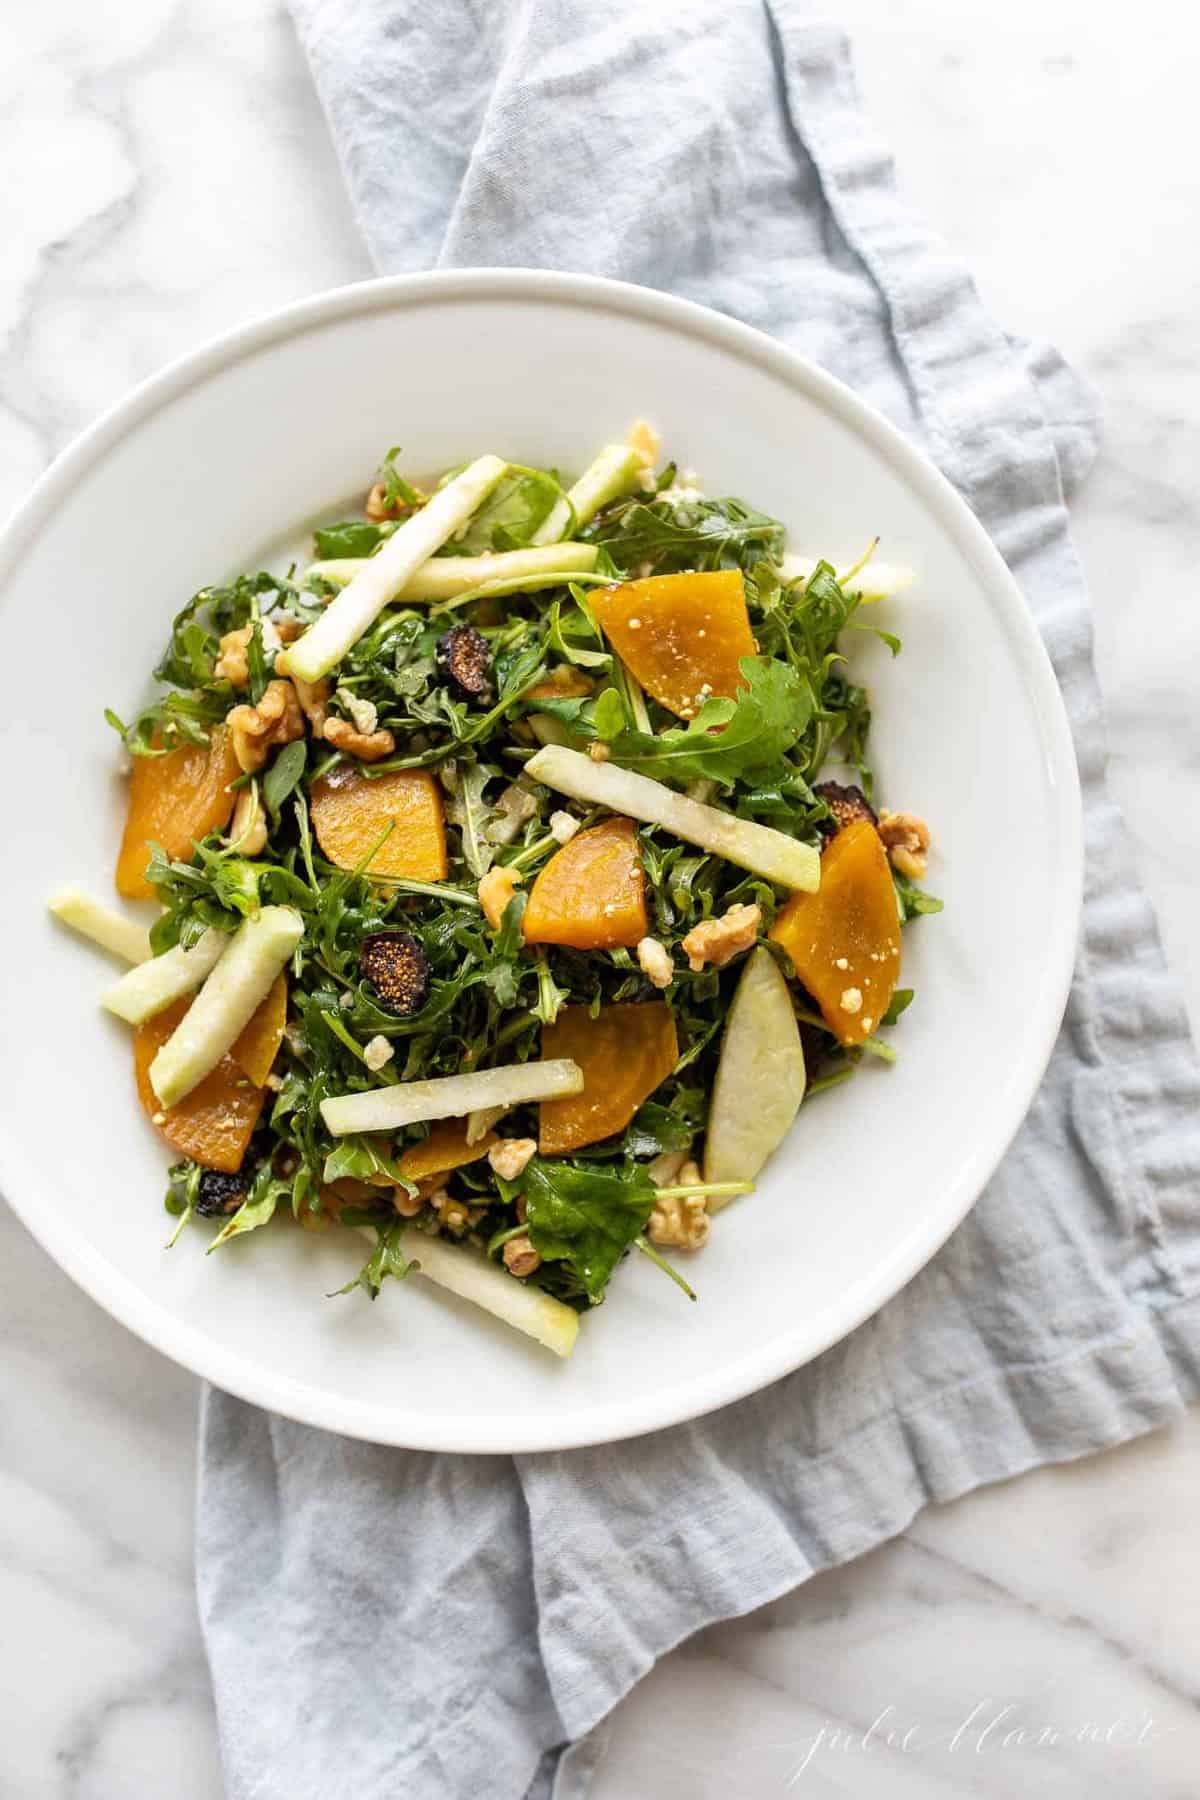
(625, 1052)
(257, 1047)
(445, 1149)
(214, 1123)
(173, 800)
(844, 940)
(591, 895)
(682, 636)
(351, 811)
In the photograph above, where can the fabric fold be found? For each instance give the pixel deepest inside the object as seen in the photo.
(385, 1622)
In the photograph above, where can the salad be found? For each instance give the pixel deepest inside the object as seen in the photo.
(517, 878)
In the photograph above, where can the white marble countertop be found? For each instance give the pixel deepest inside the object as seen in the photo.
(167, 175)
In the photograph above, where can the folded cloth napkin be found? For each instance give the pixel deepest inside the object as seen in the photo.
(382, 1622)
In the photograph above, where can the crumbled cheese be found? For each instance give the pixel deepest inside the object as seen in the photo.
(363, 713)
(563, 827)
(378, 1052)
(851, 1000)
(654, 960)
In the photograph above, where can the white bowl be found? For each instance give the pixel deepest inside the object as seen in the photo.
(245, 442)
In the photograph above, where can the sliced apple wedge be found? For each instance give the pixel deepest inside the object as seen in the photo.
(446, 577)
(233, 992)
(760, 1077)
(451, 1096)
(383, 575)
(465, 1273)
(755, 847)
(124, 937)
(157, 984)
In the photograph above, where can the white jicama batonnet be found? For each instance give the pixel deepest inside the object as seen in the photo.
(92, 919)
(451, 1096)
(226, 1003)
(157, 984)
(871, 580)
(383, 575)
(758, 848)
(614, 472)
(446, 577)
(465, 1273)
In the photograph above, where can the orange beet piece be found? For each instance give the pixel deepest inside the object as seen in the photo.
(213, 1124)
(173, 800)
(446, 1148)
(844, 940)
(256, 1049)
(682, 636)
(591, 895)
(351, 811)
(625, 1052)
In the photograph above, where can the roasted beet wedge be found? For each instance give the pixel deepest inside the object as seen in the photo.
(465, 659)
(396, 966)
(846, 804)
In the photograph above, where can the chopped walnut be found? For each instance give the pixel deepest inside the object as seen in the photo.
(288, 627)
(906, 839)
(314, 702)
(231, 665)
(406, 1204)
(367, 746)
(257, 730)
(453, 1215)
(379, 507)
(248, 827)
(645, 442)
(510, 1156)
(654, 960)
(597, 751)
(680, 1221)
(495, 891)
(718, 941)
(520, 1257)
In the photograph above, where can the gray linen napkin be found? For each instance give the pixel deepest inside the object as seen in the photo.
(385, 1623)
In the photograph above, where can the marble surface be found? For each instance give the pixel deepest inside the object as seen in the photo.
(168, 175)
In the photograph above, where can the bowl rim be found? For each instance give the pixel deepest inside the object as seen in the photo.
(632, 1415)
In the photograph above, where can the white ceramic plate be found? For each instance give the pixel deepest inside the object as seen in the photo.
(198, 474)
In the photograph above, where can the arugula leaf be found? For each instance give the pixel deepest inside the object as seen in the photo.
(728, 740)
(586, 1217)
(386, 1259)
(258, 1208)
(900, 1002)
(284, 775)
(352, 537)
(656, 1128)
(695, 532)
(512, 513)
(913, 900)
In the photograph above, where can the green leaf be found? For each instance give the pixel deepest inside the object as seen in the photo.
(258, 1208)
(284, 775)
(728, 740)
(913, 900)
(353, 537)
(586, 1217)
(386, 1259)
(674, 534)
(900, 1002)
(512, 513)
(655, 1129)
(609, 717)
